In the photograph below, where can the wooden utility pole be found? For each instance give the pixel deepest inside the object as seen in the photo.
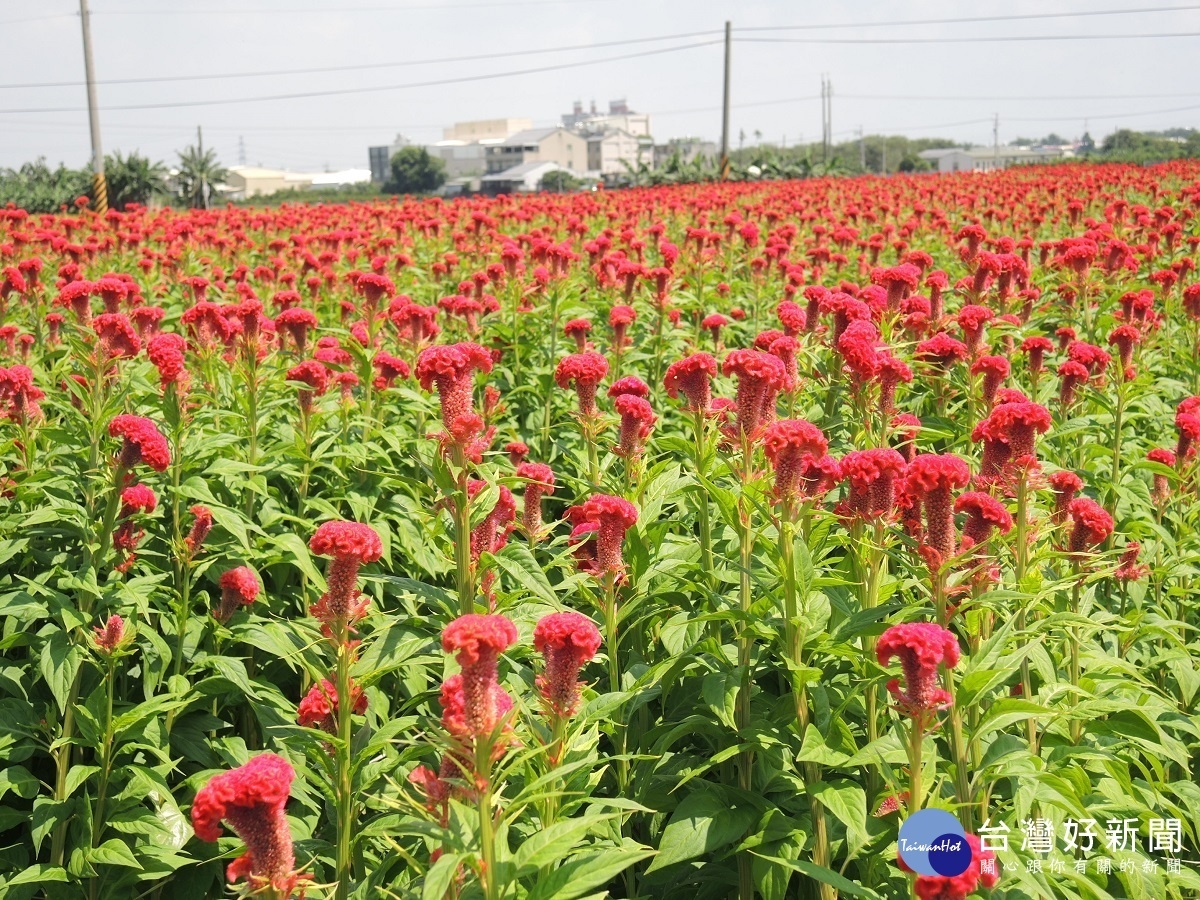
(203, 169)
(99, 186)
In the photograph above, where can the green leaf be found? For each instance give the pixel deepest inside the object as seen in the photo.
(20, 781)
(846, 800)
(38, 874)
(825, 876)
(554, 843)
(583, 873)
(516, 560)
(59, 665)
(720, 690)
(701, 824)
(114, 853)
(440, 876)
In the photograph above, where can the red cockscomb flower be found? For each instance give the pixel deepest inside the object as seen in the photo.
(350, 545)
(872, 475)
(1090, 525)
(985, 514)
(760, 377)
(692, 376)
(637, 421)
(789, 444)
(613, 516)
(319, 708)
(930, 480)
(585, 371)
(921, 647)
(539, 483)
(251, 800)
(477, 642)
(567, 641)
(143, 442)
(239, 587)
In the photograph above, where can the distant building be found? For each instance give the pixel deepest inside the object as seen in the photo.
(608, 152)
(245, 182)
(462, 159)
(381, 158)
(619, 116)
(687, 149)
(485, 130)
(558, 145)
(521, 178)
(987, 159)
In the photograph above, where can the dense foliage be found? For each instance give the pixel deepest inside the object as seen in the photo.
(674, 542)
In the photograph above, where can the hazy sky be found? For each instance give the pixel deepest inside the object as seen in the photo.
(919, 89)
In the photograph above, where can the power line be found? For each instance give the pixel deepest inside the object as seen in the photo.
(959, 21)
(979, 39)
(234, 11)
(299, 95)
(1025, 99)
(364, 66)
(301, 10)
(1124, 115)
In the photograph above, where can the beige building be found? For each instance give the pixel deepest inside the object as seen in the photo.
(557, 145)
(485, 130)
(243, 182)
(988, 159)
(610, 151)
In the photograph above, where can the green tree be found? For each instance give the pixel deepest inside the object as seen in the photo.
(133, 179)
(414, 171)
(560, 181)
(199, 173)
(38, 188)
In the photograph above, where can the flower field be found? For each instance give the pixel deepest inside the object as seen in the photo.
(664, 543)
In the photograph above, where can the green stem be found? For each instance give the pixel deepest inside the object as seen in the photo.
(1021, 565)
(745, 642)
(462, 546)
(916, 742)
(706, 554)
(105, 768)
(345, 787)
(1074, 639)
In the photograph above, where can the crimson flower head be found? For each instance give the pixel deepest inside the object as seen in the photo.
(941, 350)
(1066, 485)
(567, 641)
(630, 384)
(899, 280)
(921, 647)
(1162, 485)
(578, 330)
(110, 636)
(637, 421)
(1090, 525)
(585, 371)
(539, 482)
(19, 396)
(474, 702)
(1125, 338)
(166, 352)
(350, 545)
(251, 800)
(201, 525)
(872, 475)
(985, 514)
(117, 335)
(296, 322)
(451, 369)
(930, 480)
(612, 516)
(517, 451)
(994, 370)
(239, 587)
(319, 708)
(143, 442)
(1036, 348)
(858, 346)
(789, 445)
(692, 376)
(315, 377)
(760, 377)
(1072, 374)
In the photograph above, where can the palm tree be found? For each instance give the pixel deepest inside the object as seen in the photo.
(133, 179)
(198, 174)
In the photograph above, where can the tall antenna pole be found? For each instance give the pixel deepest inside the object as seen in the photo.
(824, 132)
(203, 169)
(725, 104)
(862, 151)
(996, 141)
(829, 117)
(99, 185)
